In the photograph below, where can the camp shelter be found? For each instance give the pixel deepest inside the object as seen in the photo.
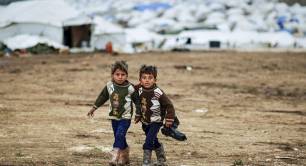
(142, 40)
(28, 41)
(54, 20)
(104, 32)
(214, 39)
(204, 39)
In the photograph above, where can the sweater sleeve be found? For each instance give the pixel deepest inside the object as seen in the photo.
(102, 98)
(136, 100)
(167, 105)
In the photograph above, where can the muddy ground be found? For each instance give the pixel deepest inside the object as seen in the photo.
(235, 108)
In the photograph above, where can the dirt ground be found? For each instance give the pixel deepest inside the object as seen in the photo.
(235, 108)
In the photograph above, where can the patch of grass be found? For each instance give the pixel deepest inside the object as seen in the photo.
(19, 154)
(238, 162)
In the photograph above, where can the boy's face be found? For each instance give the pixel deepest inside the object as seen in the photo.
(119, 76)
(147, 80)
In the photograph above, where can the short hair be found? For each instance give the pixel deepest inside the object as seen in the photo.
(121, 65)
(144, 69)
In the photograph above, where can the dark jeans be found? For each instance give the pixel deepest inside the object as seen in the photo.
(151, 130)
(120, 128)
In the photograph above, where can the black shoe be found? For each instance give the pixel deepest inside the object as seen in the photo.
(174, 133)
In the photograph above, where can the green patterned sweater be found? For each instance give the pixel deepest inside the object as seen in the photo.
(121, 99)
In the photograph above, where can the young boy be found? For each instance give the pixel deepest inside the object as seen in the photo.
(155, 107)
(121, 93)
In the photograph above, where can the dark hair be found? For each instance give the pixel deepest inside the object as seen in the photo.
(121, 65)
(144, 69)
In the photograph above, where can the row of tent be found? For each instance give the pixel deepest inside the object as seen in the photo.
(55, 23)
(202, 39)
(164, 16)
(60, 25)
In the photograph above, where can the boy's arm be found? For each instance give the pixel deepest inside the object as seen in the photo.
(136, 100)
(168, 107)
(102, 98)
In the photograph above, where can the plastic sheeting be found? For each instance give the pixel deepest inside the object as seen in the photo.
(105, 27)
(236, 39)
(139, 35)
(152, 6)
(53, 12)
(27, 41)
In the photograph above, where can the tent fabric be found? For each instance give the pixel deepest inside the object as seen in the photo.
(104, 32)
(238, 23)
(240, 39)
(80, 20)
(53, 12)
(40, 20)
(99, 41)
(105, 27)
(52, 32)
(140, 35)
(27, 41)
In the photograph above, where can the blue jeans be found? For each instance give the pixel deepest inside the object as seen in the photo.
(120, 128)
(151, 130)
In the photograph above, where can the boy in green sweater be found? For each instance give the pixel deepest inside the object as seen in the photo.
(121, 94)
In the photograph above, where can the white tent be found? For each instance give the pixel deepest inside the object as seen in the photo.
(300, 42)
(215, 18)
(141, 39)
(37, 11)
(205, 39)
(105, 32)
(41, 18)
(123, 40)
(27, 41)
(278, 39)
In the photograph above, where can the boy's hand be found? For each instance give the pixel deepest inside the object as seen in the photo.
(169, 122)
(137, 119)
(91, 112)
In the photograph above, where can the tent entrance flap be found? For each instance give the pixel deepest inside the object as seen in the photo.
(77, 36)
